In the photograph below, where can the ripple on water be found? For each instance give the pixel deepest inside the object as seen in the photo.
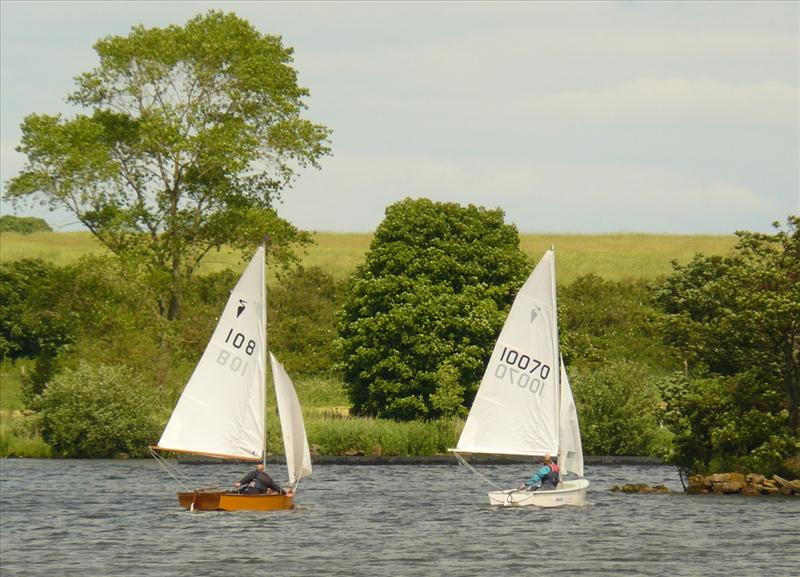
(122, 518)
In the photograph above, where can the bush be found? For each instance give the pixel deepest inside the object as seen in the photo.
(619, 405)
(20, 436)
(23, 224)
(99, 412)
(302, 320)
(434, 289)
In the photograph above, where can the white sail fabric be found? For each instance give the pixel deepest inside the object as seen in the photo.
(515, 411)
(570, 455)
(221, 411)
(295, 443)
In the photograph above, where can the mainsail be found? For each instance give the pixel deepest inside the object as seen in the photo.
(295, 443)
(222, 409)
(516, 409)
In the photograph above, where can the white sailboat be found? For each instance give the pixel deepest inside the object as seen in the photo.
(524, 405)
(222, 411)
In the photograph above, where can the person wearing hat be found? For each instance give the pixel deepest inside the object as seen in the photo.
(546, 476)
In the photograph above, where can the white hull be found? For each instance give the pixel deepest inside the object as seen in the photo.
(568, 493)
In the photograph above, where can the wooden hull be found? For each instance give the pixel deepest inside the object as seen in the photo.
(568, 493)
(222, 501)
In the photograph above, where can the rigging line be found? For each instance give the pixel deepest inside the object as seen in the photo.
(173, 471)
(474, 470)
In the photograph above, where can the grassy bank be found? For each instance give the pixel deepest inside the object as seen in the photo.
(325, 409)
(611, 256)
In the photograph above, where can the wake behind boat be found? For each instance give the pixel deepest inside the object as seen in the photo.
(222, 411)
(524, 405)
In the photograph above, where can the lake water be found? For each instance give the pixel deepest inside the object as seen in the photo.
(121, 518)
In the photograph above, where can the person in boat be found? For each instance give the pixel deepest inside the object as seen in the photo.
(545, 477)
(258, 481)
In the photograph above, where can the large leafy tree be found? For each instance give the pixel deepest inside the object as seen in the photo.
(420, 320)
(736, 319)
(191, 134)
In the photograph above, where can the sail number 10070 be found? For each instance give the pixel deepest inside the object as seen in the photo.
(231, 360)
(522, 370)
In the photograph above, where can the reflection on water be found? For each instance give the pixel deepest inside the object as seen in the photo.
(63, 518)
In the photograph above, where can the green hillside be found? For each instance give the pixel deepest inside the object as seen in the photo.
(611, 256)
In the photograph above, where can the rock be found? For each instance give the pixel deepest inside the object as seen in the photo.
(765, 490)
(696, 489)
(729, 487)
(751, 491)
(755, 479)
(641, 489)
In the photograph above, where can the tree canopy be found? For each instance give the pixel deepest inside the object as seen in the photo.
(736, 322)
(422, 313)
(190, 136)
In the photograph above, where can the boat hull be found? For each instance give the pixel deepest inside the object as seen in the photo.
(568, 493)
(222, 501)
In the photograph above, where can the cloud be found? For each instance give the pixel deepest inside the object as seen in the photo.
(669, 100)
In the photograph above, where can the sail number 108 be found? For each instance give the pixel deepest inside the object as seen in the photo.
(233, 361)
(522, 370)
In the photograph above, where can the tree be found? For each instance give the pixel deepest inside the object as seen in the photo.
(741, 313)
(423, 311)
(736, 322)
(193, 132)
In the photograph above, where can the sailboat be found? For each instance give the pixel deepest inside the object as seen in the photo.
(524, 405)
(222, 410)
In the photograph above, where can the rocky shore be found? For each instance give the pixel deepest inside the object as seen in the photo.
(738, 483)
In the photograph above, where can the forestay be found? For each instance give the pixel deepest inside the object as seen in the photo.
(222, 409)
(295, 443)
(516, 409)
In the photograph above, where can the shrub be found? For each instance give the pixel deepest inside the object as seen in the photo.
(434, 289)
(619, 406)
(302, 320)
(99, 412)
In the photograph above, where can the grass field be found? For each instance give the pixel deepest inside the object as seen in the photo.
(612, 256)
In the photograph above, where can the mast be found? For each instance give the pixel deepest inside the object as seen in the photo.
(558, 364)
(266, 343)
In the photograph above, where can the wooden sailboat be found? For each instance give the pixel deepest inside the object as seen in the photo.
(524, 405)
(222, 411)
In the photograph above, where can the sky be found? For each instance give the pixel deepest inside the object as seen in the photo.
(571, 117)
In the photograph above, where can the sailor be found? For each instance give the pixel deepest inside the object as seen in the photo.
(258, 482)
(545, 477)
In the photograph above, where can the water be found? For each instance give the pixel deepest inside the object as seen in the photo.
(121, 518)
